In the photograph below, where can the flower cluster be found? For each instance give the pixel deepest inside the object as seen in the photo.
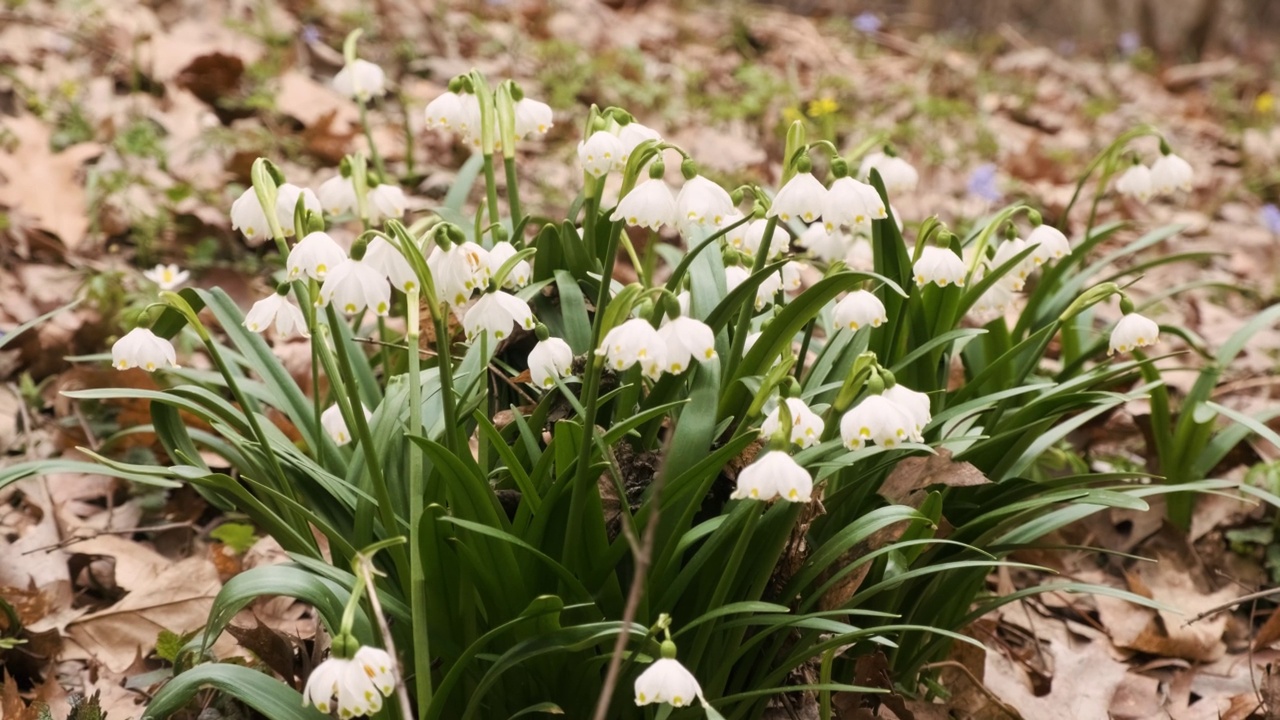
(352, 686)
(1167, 175)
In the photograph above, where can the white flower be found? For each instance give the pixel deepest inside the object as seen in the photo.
(456, 272)
(825, 245)
(287, 199)
(358, 684)
(315, 255)
(993, 303)
(548, 360)
(1132, 332)
(801, 197)
(774, 474)
(386, 259)
(445, 112)
(632, 134)
(532, 117)
(806, 425)
(735, 275)
(703, 203)
(276, 308)
(1006, 251)
(1136, 183)
(779, 244)
(687, 339)
(737, 237)
(337, 195)
(601, 153)
(914, 404)
(141, 348)
(360, 80)
(498, 255)
(649, 204)
(468, 125)
(635, 341)
(850, 203)
(385, 201)
(792, 276)
(897, 174)
(1050, 244)
(247, 216)
(876, 419)
(478, 257)
(167, 277)
(860, 255)
(494, 313)
(354, 285)
(667, 681)
(336, 426)
(1170, 173)
(378, 666)
(938, 265)
(859, 309)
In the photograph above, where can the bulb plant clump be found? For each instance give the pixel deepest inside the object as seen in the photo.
(541, 479)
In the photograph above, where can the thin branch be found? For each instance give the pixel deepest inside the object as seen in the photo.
(1228, 605)
(126, 531)
(1005, 708)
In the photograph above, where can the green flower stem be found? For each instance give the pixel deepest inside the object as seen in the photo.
(744, 316)
(513, 198)
(804, 349)
(728, 575)
(373, 148)
(417, 492)
(491, 189)
(1106, 155)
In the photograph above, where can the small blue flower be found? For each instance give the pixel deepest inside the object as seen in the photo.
(1270, 216)
(310, 34)
(868, 22)
(1129, 43)
(984, 183)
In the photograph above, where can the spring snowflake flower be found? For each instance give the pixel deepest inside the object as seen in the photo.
(386, 259)
(860, 255)
(635, 342)
(141, 348)
(354, 285)
(498, 255)
(735, 275)
(859, 309)
(898, 174)
(445, 112)
(1050, 244)
(495, 313)
(992, 304)
(876, 419)
(276, 308)
(806, 425)
(548, 360)
(1132, 332)
(801, 197)
(792, 276)
(1170, 173)
(167, 277)
(914, 404)
(386, 201)
(287, 199)
(360, 80)
(336, 426)
(533, 117)
(938, 265)
(687, 339)
(1136, 183)
(247, 216)
(1006, 251)
(703, 203)
(823, 244)
(337, 195)
(852, 204)
(753, 238)
(667, 681)
(315, 255)
(456, 272)
(649, 204)
(632, 134)
(737, 237)
(601, 153)
(774, 474)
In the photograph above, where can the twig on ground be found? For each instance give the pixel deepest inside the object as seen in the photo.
(1228, 605)
(95, 533)
(982, 688)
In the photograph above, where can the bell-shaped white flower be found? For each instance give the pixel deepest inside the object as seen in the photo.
(774, 474)
(360, 80)
(600, 153)
(859, 309)
(335, 426)
(825, 245)
(532, 117)
(1169, 173)
(635, 342)
(498, 255)
(1050, 244)
(386, 259)
(456, 272)
(914, 404)
(860, 255)
(167, 277)
(385, 201)
(354, 285)
(445, 112)
(667, 681)
(1132, 332)
(687, 339)
(778, 245)
(354, 687)
(287, 199)
(938, 265)
(276, 308)
(735, 238)
(897, 174)
(548, 360)
(478, 257)
(806, 425)
(315, 255)
(852, 204)
(649, 204)
(378, 666)
(802, 197)
(735, 275)
(495, 313)
(632, 134)
(992, 304)
(141, 348)
(876, 419)
(247, 216)
(1008, 250)
(469, 120)
(703, 203)
(337, 195)
(1136, 183)
(792, 275)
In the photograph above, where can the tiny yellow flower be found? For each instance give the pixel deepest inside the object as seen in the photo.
(822, 106)
(1265, 103)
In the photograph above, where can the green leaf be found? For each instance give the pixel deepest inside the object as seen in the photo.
(237, 536)
(259, 691)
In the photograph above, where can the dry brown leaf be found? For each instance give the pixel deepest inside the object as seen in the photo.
(43, 187)
(913, 475)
